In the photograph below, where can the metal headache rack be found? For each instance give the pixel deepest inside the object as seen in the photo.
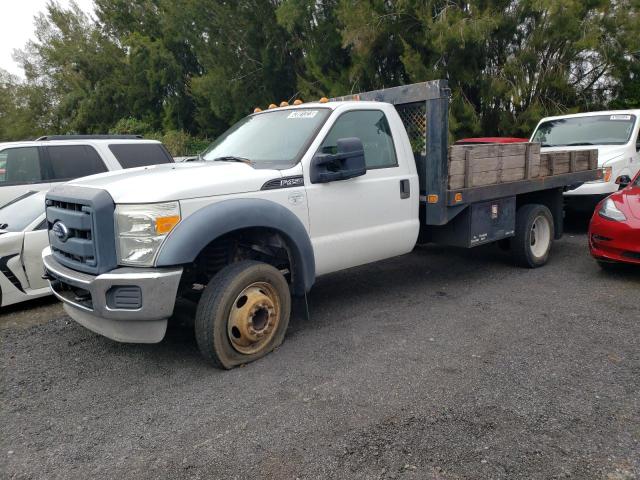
(424, 110)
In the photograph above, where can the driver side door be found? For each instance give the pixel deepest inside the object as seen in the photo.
(369, 217)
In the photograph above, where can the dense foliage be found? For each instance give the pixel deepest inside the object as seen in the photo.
(181, 69)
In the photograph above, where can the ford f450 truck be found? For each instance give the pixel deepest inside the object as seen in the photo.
(282, 197)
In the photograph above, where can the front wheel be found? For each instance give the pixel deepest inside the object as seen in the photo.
(532, 242)
(243, 313)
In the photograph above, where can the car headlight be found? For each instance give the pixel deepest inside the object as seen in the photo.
(609, 211)
(141, 229)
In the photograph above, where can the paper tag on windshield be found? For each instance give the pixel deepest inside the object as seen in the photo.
(303, 114)
(620, 117)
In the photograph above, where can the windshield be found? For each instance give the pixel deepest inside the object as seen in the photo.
(591, 130)
(16, 215)
(275, 139)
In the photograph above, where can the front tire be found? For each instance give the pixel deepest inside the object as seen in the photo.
(243, 314)
(532, 242)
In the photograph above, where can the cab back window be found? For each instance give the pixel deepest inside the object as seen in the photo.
(131, 155)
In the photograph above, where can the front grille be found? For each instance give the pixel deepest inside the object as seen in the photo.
(81, 232)
(76, 246)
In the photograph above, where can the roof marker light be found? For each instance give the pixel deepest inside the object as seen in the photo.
(257, 109)
(297, 101)
(272, 106)
(284, 104)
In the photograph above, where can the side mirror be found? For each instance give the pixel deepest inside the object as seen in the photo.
(623, 181)
(348, 162)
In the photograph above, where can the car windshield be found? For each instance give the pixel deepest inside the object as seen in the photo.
(273, 139)
(16, 215)
(588, 130)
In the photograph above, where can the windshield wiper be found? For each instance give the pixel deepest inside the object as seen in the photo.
(577, 144)
(231, 158)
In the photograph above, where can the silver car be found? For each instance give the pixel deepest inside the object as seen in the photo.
(23, 235)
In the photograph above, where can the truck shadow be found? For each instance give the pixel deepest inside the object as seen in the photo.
(424, 274)
(427, 275)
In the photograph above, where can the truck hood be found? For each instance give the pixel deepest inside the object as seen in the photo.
(178, 181)
(606, 153)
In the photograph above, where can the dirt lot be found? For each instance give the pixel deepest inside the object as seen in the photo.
(442, 364)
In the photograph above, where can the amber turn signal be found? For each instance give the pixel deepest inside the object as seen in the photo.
(166, 224)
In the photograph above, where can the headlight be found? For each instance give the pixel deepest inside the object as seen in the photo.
(609, 211)
(606, 174)
(142, 229)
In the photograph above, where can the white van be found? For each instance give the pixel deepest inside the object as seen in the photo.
(614, 133)
(40, 164)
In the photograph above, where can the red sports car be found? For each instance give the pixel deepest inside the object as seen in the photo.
(614, 232)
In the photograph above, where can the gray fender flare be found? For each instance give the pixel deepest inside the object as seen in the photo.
(195, 232)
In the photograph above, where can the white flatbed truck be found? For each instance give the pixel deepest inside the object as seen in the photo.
(282, 197)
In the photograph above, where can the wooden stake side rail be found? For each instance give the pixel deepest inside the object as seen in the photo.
(480, 165)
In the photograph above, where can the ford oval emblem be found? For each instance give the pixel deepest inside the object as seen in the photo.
(61, 231)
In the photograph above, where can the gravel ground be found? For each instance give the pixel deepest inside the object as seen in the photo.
(442, 364)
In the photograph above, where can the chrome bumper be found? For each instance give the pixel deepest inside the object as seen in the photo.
(89, 299)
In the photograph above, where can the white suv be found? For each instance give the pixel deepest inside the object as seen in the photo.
(40, 164)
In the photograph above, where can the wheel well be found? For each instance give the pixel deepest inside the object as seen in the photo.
(255, 243)
(553, 200)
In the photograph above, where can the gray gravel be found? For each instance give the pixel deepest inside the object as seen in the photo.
(442, 364)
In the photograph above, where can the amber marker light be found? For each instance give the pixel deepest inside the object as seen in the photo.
(257, 110)
(298, 102)
(166, 224)
(324, 100)
(458, 197)
(432, 198)
(272, 106)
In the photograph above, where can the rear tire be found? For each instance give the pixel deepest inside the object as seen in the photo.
(532, 242)
(243, 314)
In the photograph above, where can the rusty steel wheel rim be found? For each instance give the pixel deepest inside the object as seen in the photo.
(254, 318)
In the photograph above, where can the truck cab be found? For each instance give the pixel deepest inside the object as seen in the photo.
(283, 196)
(616, 135)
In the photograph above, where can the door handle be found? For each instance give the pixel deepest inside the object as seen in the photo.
(405, 189)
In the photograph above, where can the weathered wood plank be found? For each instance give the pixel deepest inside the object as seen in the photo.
(457, 167)
(487, 178)
(457, 152)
